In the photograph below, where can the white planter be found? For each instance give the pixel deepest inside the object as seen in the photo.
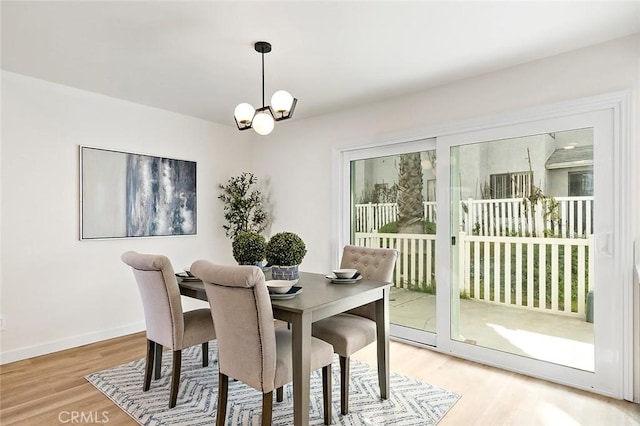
(284, 272)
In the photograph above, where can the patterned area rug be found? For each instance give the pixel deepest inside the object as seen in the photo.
(411, 402)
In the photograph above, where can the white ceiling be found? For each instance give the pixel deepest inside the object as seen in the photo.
(197, 58)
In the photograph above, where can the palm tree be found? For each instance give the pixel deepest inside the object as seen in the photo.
(410, 198)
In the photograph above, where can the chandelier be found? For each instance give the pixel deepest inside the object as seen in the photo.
(262, 119)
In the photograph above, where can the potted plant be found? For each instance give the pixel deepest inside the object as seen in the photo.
(243, 205)
(249, 248)
(285, 251)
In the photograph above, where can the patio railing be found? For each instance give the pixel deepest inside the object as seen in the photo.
(371, 217)
(567, 217)
(547, 274)
(543, 274)
(415, 267)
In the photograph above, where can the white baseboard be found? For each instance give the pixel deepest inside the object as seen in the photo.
(67, 343)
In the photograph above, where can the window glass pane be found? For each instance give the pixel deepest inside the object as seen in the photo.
(522, 267)
(393, 205)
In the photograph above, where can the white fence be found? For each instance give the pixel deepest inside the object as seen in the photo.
(567, 217)
(415, 267)
(371, 217)
(528, 272)
(546, 274)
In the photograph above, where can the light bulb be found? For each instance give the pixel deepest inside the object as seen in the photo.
(281, 101)
(263, 123)
(244, 113)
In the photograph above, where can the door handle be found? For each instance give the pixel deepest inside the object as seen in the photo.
(604, 244)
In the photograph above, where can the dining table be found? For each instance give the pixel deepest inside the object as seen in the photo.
(321, 298)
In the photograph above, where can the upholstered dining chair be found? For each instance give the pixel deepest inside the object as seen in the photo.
(167, 325)
(261, 357)
(353, 330)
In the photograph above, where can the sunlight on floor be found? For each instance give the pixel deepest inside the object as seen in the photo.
(565, 351)
(549, 414)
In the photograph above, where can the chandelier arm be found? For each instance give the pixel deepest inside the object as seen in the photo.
(262, 119)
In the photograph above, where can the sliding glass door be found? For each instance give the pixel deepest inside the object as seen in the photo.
(523, 252)
(529, 258)
(392, 204)
(512, 242)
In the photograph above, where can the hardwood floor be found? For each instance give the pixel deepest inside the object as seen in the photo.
(491, 396)
(51, 389)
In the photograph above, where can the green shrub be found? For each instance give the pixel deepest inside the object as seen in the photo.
(389, 228)
(285, 249)
(249, 248)
(392, 228)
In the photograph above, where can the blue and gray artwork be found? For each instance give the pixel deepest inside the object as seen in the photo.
(161, 196)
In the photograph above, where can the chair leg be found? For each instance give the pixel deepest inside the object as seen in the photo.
(148, 368)
(326, 393)
(280, 394)
(267, 408)
(158, 361)
(205, 354)
(344, 385)
(223, 389)
(175, 378)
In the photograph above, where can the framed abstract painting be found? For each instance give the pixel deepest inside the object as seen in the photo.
(133, 195)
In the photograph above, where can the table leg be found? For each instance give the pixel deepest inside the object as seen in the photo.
(382, 330)
(301, 354)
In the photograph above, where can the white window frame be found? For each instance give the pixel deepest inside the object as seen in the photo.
(619, 106)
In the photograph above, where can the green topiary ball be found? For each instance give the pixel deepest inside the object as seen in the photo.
(249, 248)
(285, 249)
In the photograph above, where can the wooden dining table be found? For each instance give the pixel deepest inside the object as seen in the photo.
(319, 299)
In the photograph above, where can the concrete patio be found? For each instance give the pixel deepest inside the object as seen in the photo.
(555, 338)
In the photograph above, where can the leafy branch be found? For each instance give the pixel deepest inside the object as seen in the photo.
(243, 205)
(538, 197)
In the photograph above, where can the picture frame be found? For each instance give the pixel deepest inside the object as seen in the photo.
(126, 195)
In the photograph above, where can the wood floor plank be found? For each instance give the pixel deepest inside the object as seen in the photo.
(491, 396)
(46, 390)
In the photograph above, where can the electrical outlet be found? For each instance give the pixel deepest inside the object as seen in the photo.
(1, 322)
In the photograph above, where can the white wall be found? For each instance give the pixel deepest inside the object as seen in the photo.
(385, 170)
(297, 157)
(305, 201)
(57, 291)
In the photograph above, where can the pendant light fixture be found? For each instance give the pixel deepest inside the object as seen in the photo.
(262, 119)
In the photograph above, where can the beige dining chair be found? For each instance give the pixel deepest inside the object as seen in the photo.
(353, 330)
(250, 348)
(167, 325)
